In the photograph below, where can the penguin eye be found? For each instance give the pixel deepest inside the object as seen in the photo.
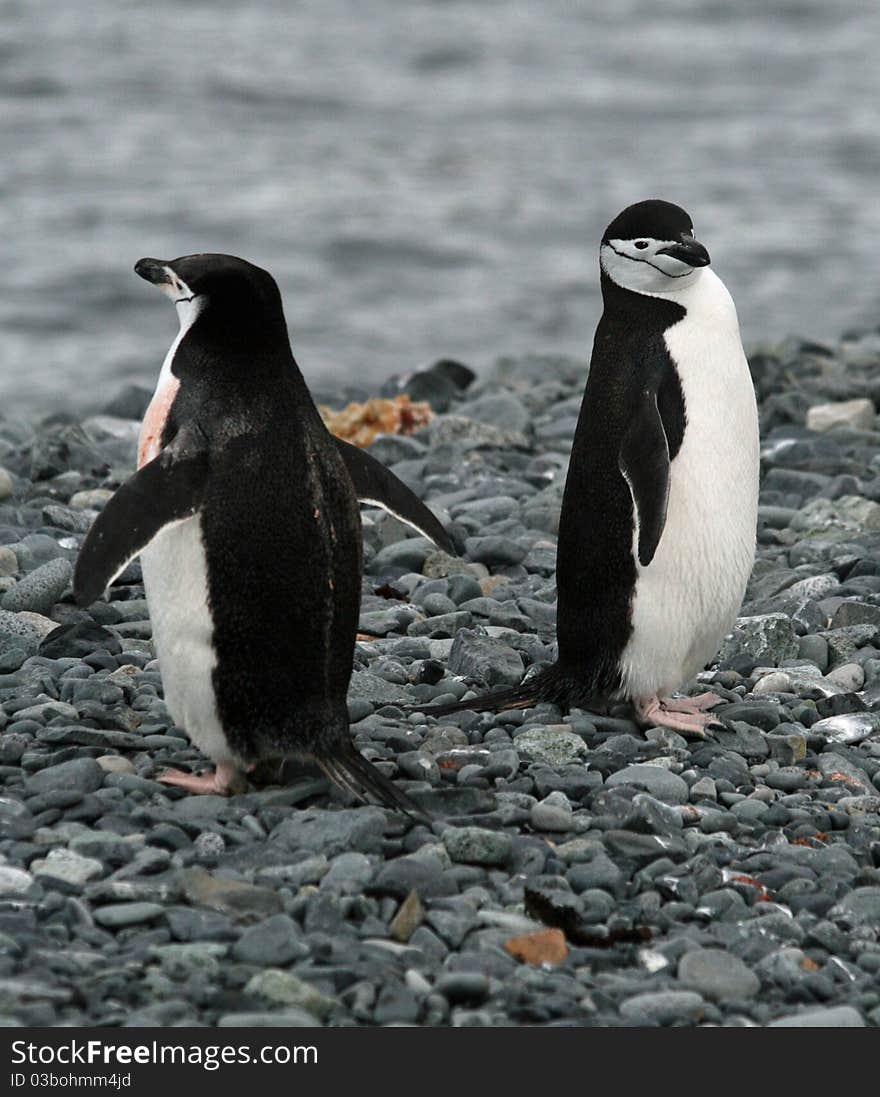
(640, 244)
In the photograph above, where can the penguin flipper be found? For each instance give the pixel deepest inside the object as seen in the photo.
(644, 462)
(378, 486)
(168, 489)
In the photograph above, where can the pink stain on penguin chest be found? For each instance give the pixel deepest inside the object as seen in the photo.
(150, 438)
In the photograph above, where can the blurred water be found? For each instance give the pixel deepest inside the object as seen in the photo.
(423, 178)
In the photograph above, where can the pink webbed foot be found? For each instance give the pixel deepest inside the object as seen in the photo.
(700, 702)
(667, 713)
(220, 782)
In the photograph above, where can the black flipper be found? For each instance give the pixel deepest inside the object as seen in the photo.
(168, 489)
(376, 485)
(644, 462)
(347, 768)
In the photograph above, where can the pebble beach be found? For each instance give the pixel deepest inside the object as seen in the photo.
(578, 870)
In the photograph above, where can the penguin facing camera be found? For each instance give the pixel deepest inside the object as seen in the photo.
(659, 513)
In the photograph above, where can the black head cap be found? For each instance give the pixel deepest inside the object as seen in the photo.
(232, 289)
(653, 219)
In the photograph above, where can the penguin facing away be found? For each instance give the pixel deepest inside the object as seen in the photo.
(245, 513)
(657, 529)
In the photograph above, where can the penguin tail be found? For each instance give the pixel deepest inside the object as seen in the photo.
(549, 685)
(349, 770)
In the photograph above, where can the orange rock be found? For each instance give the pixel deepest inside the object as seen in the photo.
(546, 946)
(360, 423)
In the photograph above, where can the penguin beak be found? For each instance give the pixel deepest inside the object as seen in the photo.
(153, 270)
(689, 251)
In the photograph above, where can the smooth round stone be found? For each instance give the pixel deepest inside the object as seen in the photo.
(849, 676)
(777, 682)
(477, 846)
(14, 881)
(597, 905)
(858, 414)
(67, 868)
(549, 817)
(717, 975)
(662, 1007)
(349, 873)
(5, 484)
(763, 715)
(859, 907)
(275, 941)
(24, 630)
(436, 604)
(704, 789)
(40, 590)
(787, 779)
(655, 780)
(830, 1017)
(286, 1018)
(78, 775)
(119, 915)
(849, 728)
(600, 872)
(749, 811)
(815, 650)
(92, 499)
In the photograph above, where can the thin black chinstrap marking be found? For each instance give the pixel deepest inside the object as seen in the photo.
(635, 259)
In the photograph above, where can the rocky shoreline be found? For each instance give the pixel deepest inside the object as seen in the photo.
(729, 881)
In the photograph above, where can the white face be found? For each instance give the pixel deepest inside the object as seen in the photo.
(187, 303)
(638, 265)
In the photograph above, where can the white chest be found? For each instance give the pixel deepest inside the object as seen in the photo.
(687, 598)
(176, 583)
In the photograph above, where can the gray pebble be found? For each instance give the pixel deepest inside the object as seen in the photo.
(477, 846)
(656, 780)
(662, 1007)
(827, 1017)
(271, 943)
(79, 775)
(718, 975)
(40, 590)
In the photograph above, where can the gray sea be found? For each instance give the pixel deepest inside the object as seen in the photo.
(424, 178)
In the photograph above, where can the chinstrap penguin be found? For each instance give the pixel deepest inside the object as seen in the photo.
(245, 513)
(657, 529)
